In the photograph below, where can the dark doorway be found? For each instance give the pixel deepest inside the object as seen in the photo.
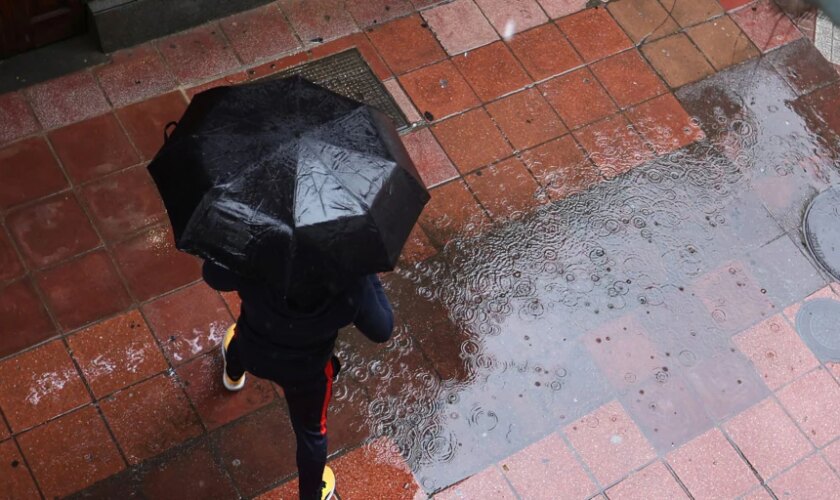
(29, 24)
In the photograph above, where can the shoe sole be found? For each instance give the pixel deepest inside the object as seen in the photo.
(227, 381)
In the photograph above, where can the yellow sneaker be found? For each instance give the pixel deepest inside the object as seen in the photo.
(328, 484)
(229, 383)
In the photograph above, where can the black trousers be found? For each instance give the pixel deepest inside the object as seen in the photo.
(307, 399)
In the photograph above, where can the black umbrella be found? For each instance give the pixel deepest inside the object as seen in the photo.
(271, 178)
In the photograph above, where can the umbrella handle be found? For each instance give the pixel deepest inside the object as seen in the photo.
(166, 130)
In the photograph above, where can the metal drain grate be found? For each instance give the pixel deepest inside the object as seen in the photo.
(347, 74)
(822, 233)
(816, 323)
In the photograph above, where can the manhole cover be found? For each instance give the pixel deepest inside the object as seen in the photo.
(822, 230)
(347, 74)
(818, 323)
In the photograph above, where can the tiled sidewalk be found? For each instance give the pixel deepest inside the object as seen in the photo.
(108, 336)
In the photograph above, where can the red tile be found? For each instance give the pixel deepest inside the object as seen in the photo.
(460, 26)
(150, 418)
(189, 322)
(643, 20)
(16, 117)
(318, 20)
(691, 12)
(216, 405)
(613, 146)
(813, 401)
(547, 469)
(578, 98)
(117, 215)
(227, 80)
(594, 34)
(653, 481)
(677, 60)
(431, 161)
(544, 52)
(732, 297)
(623, 350)
(83, 290)
(776, 350)
(93, 148)
(439, 90)
(759, 493)
(146, 120)
(29, 171)
(832, 454)
(766, 25)
(198, 54)
(492, 71)
(804, 67)
(813, 478)
(733, 4)
(512, 16)
(451, 212)
(67, 99)
(287, 490)
(375, 12)
(723, 42)
(10, 264)
(191, 473)
(505, 189)
(117, 353)
(39, 385)
(134, 74)
(22, 312)
(526, 119)
(711, 468)
(609, 443)
(360, 42)
(71, 453)
(259, 33)
(403, 101)
(375, 470)
(665, 123)
(768, 438)
(52, 230)
(152, 265)
(233, 302)
(561, 167)
(406, 44)
(628, 78)
(560, 8)
(489, 483)
(418, 247)
(15, 481)
(471, 140)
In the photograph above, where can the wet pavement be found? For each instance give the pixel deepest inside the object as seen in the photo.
(609, 293)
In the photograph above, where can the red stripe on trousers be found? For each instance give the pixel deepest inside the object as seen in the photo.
(328, 371)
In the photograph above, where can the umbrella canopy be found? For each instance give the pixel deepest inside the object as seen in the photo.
(272, 178)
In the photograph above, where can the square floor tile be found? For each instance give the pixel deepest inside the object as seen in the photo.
(813, 401)
(117, 353)
(11, 266)
(594, 34)
(146, 120)
(406, 44)
(83, 290)
(318, 20)
(691, 12)
(123, 203)
(492, 71)
(377, 12)
(613, 146)
(547, 469)
(766, 25)
(375, 470)
(711, 468)
(231, 79)
(460, 26)
(776, 350)
(259, 33)
(813, 478)
(471, 140)
(489, 483)
(726, 384)
(561, 168)
(150, 418)
(723, 42)
(823, 102)
(93, 148)
(67, 99)
(22, 312)
(609, 443)
(643, 20)
(624, 351)
(71, 453)
(832, 454)
(768, 438)
(152, 265)
(560, 8)
(578, 98)
(665, 124)
(417, 247)
(135, 74)
(52, 230)
(526, 119)
(198, 54)
(452, 212)
(431, 161)
(233, 302)
(512, 16)
(544, 52)
(733, 298)
(216, 405)
(39, 385)
(506, 189)
(191, 473)
(16, 117)
(15, 479)
(729, 5)
(677, 60)
(654, 481)
(628, 78)
(403, 101)
(803, 67)
(188, 322)
(29, 171)
(439, 91)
